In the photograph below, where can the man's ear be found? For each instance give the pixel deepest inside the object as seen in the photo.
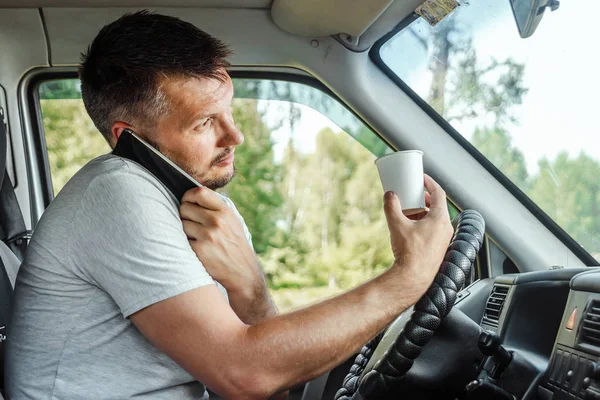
(117, 128)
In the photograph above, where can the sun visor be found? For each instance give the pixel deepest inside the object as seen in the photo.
(327, 17)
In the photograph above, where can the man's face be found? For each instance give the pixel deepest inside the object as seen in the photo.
(199, 133)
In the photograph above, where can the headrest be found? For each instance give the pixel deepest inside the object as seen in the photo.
(3, 146)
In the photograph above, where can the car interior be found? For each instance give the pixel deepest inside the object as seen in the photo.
(515, 312)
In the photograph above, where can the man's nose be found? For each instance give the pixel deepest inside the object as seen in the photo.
(231, 136)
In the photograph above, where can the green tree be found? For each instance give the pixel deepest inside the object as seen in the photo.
(568, 190)
(479, 91)
(364, 247)
(496, 145)
(255, 191)
(463, 88)
(334, 217)
(71, 138)
(60, 89)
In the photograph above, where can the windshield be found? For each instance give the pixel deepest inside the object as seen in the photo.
(528, 105)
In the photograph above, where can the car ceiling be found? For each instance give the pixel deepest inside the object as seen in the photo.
(264, 4)
(304, 18)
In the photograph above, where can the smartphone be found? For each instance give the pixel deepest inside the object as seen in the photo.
(134, 148)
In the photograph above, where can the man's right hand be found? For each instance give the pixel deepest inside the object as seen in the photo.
(419, 244)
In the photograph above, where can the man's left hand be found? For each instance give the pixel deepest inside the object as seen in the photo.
(217, 237)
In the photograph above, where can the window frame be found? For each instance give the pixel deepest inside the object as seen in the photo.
(530, 205)
(36, 142)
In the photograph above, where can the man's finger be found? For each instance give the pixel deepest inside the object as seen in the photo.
(427, 199)
(204, 197)
(191, 229)
(437, 194)
(195, 213)
(393, 209)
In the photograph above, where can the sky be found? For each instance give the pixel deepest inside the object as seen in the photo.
(309, 125)
(561, 73)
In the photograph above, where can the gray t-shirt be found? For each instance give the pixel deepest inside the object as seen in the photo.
(110, 244)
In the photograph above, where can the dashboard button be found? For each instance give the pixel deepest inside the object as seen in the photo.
(557, 366)
(572, 369)
(580, 373)
(563, 368)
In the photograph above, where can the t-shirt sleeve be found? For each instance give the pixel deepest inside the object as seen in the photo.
(127, 238)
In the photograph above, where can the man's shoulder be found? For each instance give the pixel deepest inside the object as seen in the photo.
(108, 185)
(112, 165)
(111, 173)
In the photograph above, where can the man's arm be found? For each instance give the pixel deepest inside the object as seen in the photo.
(252, 304)
(204, 335)
(239, 361)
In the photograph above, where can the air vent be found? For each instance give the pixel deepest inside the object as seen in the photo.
(590, 327)
(493, 307)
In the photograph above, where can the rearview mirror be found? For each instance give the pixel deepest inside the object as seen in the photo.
(529, 13)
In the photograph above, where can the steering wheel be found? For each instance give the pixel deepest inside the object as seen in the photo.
(394, 351)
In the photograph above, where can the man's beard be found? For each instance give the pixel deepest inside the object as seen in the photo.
(212, 184)
(221, 181)
(218, 183)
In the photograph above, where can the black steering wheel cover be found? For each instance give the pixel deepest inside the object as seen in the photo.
(431, 309)
(352, 380)
(428, 314)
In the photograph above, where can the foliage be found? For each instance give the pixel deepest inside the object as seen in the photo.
(496, 144)
(462, 88)
(568, 190)
(254, 190)
(334, 212)
(60, 89)
(71, 138)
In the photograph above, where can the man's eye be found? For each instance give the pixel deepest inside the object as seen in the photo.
(205, 124)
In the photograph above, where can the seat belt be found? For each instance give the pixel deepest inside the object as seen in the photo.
(12, 227)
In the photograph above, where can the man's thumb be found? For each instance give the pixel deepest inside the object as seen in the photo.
(392, 208)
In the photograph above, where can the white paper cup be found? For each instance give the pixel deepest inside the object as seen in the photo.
(402, 173)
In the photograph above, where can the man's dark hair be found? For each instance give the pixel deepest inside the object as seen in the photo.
(122, 68)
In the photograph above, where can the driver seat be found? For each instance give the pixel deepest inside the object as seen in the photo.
(9, 263)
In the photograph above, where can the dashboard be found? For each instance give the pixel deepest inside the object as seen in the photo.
(574, 371)
(550, 322)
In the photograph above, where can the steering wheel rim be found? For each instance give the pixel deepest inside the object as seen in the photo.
(426, 318)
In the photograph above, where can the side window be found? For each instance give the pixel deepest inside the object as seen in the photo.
(306, 183)
(71, 137)
(309, 191)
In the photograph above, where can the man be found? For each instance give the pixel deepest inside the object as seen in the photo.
(117, 295)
